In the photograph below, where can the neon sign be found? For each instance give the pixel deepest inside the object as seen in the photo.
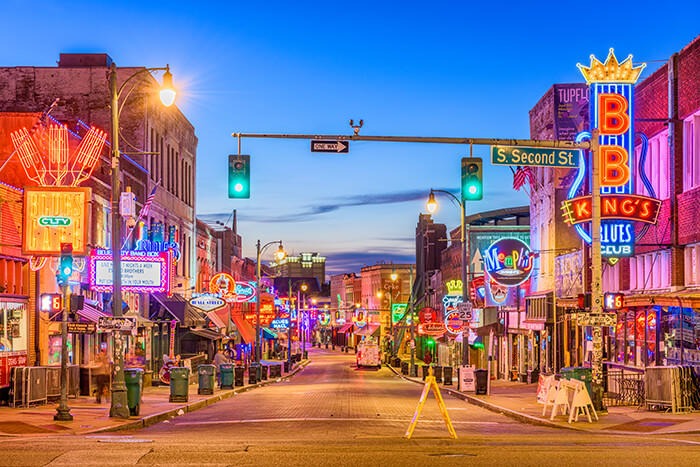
(454, 287)
(399, 311)
(324, 318)
(54, 215)
(508, 261)
(360, 319)
(150, 245)
(141, 271)
(279, 323)
(623, 207)
(453, 324)
(612, 113)
(224, 286)
(246, 291)
(432, 329)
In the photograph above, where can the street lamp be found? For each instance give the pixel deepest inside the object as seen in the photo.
(413, 370)
(432, 206)
(391, 317)
(280, 255)
(304, 287)
(119, 407)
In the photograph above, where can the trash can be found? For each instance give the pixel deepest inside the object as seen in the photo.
(226, 376)
(346, 350)
(263, 372)
(238, 375)
(253, 370)
(404, 368)
(179, 384)
(447, 375)
(437, 372)
(326, 346)
(306, 354)
(133, 377)
(206, 379)
(533, 376)
(481, 381)
(424, 370)
(286, 367)
(579, 373)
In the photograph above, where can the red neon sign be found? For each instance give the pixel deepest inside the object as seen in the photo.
(613, 206)
(432, 329)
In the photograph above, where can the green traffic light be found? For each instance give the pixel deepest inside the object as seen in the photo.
(239, 176)
(472, 179)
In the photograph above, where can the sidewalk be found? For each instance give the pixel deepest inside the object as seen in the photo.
(517, 400)
(90, 417)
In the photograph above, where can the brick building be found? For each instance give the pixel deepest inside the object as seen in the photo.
(661, 281)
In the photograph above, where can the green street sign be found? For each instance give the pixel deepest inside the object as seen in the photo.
(534, 157)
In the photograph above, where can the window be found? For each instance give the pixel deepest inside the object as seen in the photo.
(611, 278)
(691, 152)
(655, 167)
(649, 271)
(692, 255)
(13, 326)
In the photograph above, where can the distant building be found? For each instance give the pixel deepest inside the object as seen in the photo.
(304, 265)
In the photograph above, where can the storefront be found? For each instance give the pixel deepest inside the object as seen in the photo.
(14, 332)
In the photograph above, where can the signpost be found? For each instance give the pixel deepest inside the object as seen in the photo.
(82, 328)
(113, 323)
(534, 157)
(330, 146)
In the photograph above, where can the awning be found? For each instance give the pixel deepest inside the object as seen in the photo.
(368, 330)
(205, 333)
(346, 328)
(91, 313)
(140, 320)
(216, 319)
(282, 336)
(267, 334)
(177, 307)
(245, 329)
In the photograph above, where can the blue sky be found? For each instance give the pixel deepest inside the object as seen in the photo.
(405, 68)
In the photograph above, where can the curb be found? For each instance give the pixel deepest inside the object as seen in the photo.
(492, 407)
(191, 407)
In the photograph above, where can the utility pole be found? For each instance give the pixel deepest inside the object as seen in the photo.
(597, 275)
(63, 411)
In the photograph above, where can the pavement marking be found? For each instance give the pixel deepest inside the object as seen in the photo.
(122, 440)
(322, 419)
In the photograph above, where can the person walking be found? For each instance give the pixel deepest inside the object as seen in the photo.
(219, 358)
(100, 369)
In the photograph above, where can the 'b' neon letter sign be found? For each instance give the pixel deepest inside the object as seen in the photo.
(613, 119)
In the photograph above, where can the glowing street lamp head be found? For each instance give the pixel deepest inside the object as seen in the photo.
(379, 294)
(280, 254)
(394, 276)
(304, 287)
(167, 91)
(432, 204)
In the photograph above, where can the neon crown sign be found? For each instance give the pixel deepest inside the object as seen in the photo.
(612, 113)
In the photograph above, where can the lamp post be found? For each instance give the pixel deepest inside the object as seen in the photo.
(280, 254)
(119, 407)
(413, 370)
(432, 207)
(391, 319)
(301, 314)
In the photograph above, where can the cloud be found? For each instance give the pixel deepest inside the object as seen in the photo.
(353, 261)
(314, 210)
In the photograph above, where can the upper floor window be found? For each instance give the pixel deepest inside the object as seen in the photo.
(655, 166)
(650, 271)
(691, 152)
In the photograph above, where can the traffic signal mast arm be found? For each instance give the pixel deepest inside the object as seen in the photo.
(428, 139)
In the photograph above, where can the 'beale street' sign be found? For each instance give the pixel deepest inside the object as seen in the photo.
(534, 157)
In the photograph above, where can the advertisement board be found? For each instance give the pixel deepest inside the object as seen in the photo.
(141, 271)
(571, 115)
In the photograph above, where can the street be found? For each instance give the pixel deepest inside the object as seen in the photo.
(334, 414)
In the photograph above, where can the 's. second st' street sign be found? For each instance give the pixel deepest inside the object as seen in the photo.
(329, 146)
(534, 157)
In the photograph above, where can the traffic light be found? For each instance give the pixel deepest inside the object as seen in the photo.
(472, 179)
(238, 176)
(66, 266)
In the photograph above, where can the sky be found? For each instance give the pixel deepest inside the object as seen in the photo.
(454, 69)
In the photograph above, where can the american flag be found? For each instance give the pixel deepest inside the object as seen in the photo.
(521, 175)
(149, 201)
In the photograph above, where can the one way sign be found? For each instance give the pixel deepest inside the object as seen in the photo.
(329, 146)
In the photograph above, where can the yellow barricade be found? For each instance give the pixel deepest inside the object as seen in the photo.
(430, 383)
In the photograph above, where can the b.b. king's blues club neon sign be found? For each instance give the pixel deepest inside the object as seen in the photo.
(612, 113)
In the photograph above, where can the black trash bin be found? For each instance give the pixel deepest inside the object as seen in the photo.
(481, 381)
(404, 368)
(238, 373)
(437, 372)
(447, 375)
(263, 372)
(286, 367)
(207, 379)
(533, 376)
(253, 371)
(424, 370)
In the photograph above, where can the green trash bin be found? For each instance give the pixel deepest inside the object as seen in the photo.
(206, 379)
(226, 376)
(580, 373)
(133, 378)
(179, 384)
